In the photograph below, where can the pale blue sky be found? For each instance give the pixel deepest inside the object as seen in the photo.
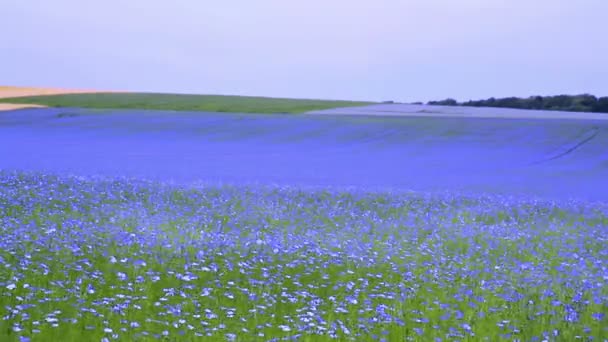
(347, 49)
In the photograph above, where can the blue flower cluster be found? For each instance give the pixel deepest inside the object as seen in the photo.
(108, 259)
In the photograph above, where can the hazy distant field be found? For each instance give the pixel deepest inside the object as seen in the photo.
(15, 94)
(10, 91)
(177, 102)
(406, 110)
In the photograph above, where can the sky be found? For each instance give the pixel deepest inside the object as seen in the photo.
(400, 50)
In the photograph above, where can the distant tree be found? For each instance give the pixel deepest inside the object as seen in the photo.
(559, 102)
(446, 102)
(508, 102)
(584, 103)
(536, 102)
(601, 105)
(579, 103)
(587, 100)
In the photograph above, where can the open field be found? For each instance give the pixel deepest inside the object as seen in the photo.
(13, 106)
(17, 92)
(103, 259)
(545, 158)
(179, 102)
(408, 110)
(139, 225)
(10, 91)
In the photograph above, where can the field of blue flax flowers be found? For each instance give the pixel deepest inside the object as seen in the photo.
(102, 259)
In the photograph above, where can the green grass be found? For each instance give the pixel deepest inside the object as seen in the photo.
(180, 102)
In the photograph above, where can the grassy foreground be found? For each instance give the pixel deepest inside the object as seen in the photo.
(104, 260)
(212, 103)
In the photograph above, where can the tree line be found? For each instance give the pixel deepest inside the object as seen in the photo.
(571, 103)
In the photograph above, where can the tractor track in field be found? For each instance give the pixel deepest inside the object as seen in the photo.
(566, 149)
